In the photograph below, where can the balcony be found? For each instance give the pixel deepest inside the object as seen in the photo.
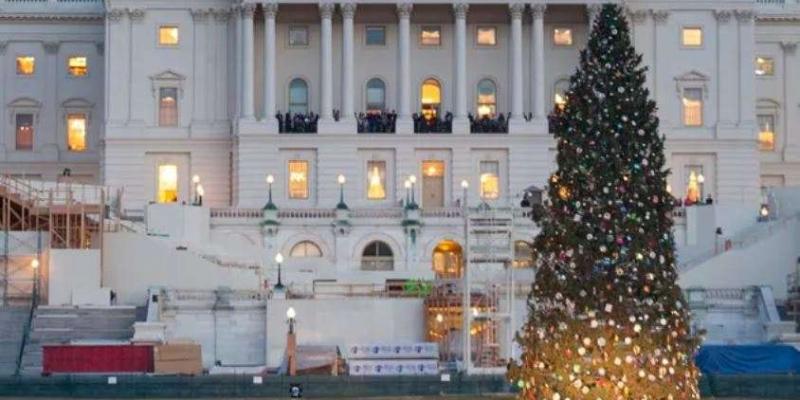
(297, 123)
(370, 122)
(433, 124)
(487, 124)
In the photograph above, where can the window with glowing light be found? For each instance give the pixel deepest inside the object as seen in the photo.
(560, 93)
(562, 36)
(447, 260)
(298, 179)
(377, 256)
(765, 66)
(523, 254)
(766, 132)
(376, 96)
(77, 66)
(692, 106)
(24, 132)
(168, 35)
(376, 180)
(167, 183)
(305, 249)
(432, 184)
(487, 98)
(298, 96)
(430, 98)
(692, 37)
(26, 65)
(490, 180)
(168, 106)
(486, 36)
(694, 183)
(430, 36)
(76, 132)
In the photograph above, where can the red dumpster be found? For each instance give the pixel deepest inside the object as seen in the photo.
(123, 358)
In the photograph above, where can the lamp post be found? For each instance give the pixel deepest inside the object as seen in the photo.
(196, 186)
(279, 260)
(35, 268)
(270, 181)
(200, 193)
(291, 342)
(465, 187)
(290, 316)
(413, 180)
(407, 185)
(341, 179)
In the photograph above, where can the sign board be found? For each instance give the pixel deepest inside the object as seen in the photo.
(393, 367)
(392, 351)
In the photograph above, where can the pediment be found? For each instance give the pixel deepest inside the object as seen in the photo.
(168, 75)
(25, 102)
(692, 76)
(77, 102)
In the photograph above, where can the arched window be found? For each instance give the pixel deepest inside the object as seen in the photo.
(487, 98)
(523, 254)
(430, 98)
(560, 93)
(376, 96)
(377, 256)
(305, 249)
(298, 96)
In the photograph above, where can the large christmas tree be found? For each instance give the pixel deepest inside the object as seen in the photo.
(607, 319)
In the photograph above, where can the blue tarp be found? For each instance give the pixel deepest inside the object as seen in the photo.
(748, 359)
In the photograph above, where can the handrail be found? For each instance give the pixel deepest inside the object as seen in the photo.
(26, 332)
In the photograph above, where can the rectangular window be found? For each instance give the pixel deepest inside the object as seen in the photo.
(486, 36)
(376, 180)
(77, 66)
(490, 180)
(430, 36)
(765, 66)
(375, 35)
(562, 37)
(167, 183)
(432, 184)
(692, 107)
(24, 131)
(694, 184)
(298, 36)
(298, 179)
(766, 132)
(168, 106)
(692, 37)
(26, 65)
(76, 132)
(168, 35)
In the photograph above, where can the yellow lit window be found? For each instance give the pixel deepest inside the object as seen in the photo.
(562, 37)
(560, 95)
(490, 180)
(487, 98)
(765, 66)
(692, 107)
(431, 36)
(167, 183)
(694, 186)
(24, 131)
(76, 132)
(487, 36)
(298, 179)
(26, 65)
(692, 37)
(168, 35)
(77, 66)
(168, 106)
(376, 180)
(431, 98)
(766, 132)
(433, 169)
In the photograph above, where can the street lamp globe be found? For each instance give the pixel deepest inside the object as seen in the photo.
(279, 258)
(196, 179)
(464, 184)
(412, 179)
(200, 191)
(35, 263)
(270, 179)
(341, 179)
(291, 313)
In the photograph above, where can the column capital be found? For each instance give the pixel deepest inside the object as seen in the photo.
(348, 10)
(745, 16)
(270, 9)
(660, 16)
(200, 14)
(593, 10)
(248, 10)
(136, 14)
(537, 10)
(460, 10)
(221, 14)
(789, 47)
(3, 46)
(516, 10)
(51, 47)
(326, 10)
(404, 10)
(723, 16)
(115, 14)
(637, 16)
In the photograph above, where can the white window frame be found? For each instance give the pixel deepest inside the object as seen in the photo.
(289, 36)
(571, 36)
(167, 79)
(22, 105)
(496, 37)
(77, 106)
(422, 28)
(88, 70)
(693, 80)
(385, 34)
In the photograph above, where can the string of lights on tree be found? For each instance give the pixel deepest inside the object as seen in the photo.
(606, 317)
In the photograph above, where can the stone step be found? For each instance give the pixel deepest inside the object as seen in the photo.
(66, 335)
(82, 323)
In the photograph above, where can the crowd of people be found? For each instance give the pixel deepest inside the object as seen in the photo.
(433, 124)
(383, 122)
(297, 122)
(488, 124)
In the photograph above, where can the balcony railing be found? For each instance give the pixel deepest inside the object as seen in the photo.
(433, 125)
(297, 123)
(48, 6)
(383, 122)
(487, 124)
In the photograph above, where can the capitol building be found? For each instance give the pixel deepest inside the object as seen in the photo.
(371, 164)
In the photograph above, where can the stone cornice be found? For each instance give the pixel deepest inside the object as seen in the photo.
(50, 17)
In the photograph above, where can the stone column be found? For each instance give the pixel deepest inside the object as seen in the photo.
(791, 70)
(237, 15)
(248, 70)
(270, 11)
(326, 73)
(404, 123)
(593, 11)
(643, 41)
(537, 37)
(460, 122)
(516, 81)
(727, 53)
(747, 102)
(348, 12)
(201, 82)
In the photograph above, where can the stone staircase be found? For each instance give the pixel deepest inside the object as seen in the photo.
(12, 329)
(56, 325)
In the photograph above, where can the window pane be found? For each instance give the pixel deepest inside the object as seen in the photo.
(167, 183)
(26, 65)
(298, 179)
(766, 132)
(694, 183)
(376, 180)
(430, 36)
(562, 37)
(168, 107)
(693, 107)
(523, 254)
(490, 179)
(24, 131)
(377, 256)
(376, 95)
(77, 66)
(692, 37)
(305, 249)
(76, 132)
(487, 98)
(487, 36)
(431, 98)
(560, 93)
(376, 35)
(298, 36)
(168, 35)
(765, 66)
(298, 97)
